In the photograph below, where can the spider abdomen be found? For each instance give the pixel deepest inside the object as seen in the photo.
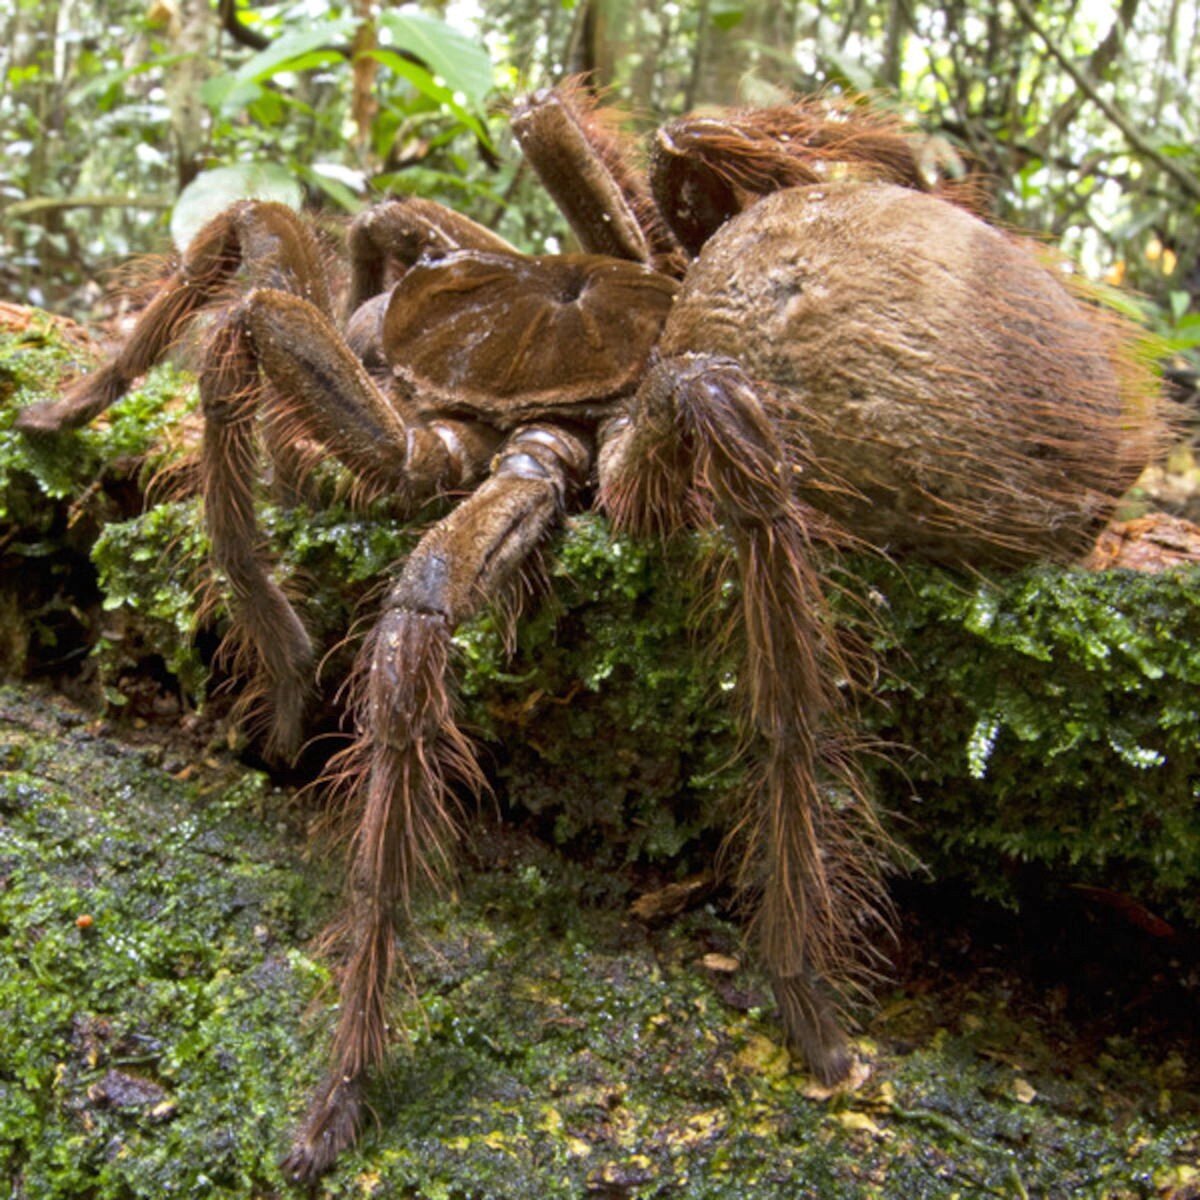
(943, 389)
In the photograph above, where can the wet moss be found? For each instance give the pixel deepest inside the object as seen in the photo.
(153, 1037)
(149, 931)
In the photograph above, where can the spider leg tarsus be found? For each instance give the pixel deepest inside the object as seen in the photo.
(331, 1125)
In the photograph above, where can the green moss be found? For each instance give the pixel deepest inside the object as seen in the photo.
(149, 932)
(556, 1048)
(1056, 720)
(1050, 718)
(33, 365)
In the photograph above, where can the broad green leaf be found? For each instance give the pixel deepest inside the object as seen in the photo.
(212, 191)
(461, 62)
(226, 94)
(295, 50)
(425, 83)
(336, 182)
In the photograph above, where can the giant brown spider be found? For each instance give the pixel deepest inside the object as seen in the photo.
(785, 329)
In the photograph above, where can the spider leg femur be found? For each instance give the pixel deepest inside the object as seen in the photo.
(698, 446)
(268, 241)
(586, 164)
(408, 750)
(707, 168)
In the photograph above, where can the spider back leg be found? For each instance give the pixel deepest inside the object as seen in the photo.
(698, 446)
(707, 168)
(408, 751)
(585, 163)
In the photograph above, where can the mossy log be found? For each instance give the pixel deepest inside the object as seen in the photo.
(157, 902)
(1042, 727)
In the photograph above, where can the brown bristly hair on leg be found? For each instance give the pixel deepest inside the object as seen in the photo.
(619, 151)
(829, 857)
(194, 284)
(814, 849)
(399, 777)
(646, 474)
(814, 140)
(615, 150)
(267, 640)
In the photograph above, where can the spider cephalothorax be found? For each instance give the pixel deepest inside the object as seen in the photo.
(789, 330)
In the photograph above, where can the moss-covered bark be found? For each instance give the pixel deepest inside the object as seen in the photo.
(155, 910)
(154, 1038)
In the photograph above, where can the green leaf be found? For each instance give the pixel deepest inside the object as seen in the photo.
(727, 14)
(328, 178)
(425, 83)
(296, 50)
(225, 95)
(212, 191)
(460, 61)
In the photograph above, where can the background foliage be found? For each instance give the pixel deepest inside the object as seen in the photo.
(1079, 111)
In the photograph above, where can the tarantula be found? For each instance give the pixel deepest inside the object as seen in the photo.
(786, 328)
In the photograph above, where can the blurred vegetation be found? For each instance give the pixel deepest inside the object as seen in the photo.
(1082, 115)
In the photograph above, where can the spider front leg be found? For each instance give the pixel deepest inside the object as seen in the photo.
(698, 446)
(409, 752)
(396, 233)
(269, 241)
(279, 356)
(586, 165)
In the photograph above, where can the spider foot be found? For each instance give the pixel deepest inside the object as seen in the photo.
(812, 1028)
(330, 1125)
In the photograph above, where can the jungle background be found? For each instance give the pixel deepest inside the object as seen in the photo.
(159, 890)
(1081, 114)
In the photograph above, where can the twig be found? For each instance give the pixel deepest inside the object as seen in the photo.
(1186, 180)
(23, 208)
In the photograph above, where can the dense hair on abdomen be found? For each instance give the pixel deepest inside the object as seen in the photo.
(942, 385)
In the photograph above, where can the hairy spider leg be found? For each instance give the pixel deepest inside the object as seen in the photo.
(697, 447)
(277, 355)
(273, 245)
(707, 168)
(408, 750)
(587, 166)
